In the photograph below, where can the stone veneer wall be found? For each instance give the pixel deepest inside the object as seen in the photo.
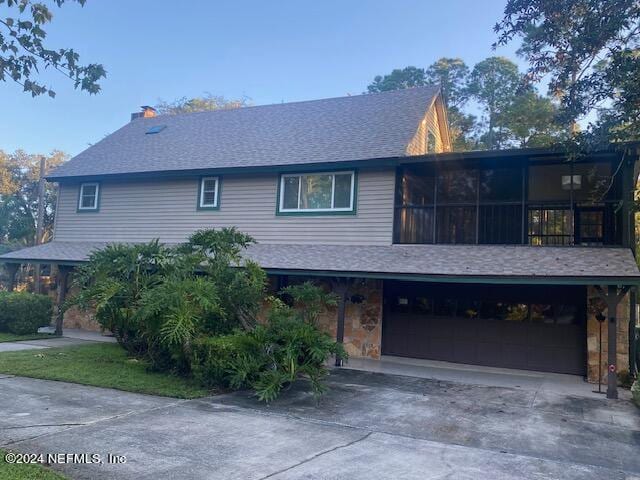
(363, 316)
(593, 336)
(363, 319)
(73, 317)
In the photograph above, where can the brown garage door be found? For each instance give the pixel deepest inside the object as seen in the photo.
(535, 328)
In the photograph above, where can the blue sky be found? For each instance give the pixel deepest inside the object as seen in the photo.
(270, 51)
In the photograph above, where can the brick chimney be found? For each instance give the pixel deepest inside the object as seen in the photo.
(145, 112)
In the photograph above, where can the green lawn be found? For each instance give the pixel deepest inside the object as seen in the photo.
(11, 337)
(9, 471)
(98, 364)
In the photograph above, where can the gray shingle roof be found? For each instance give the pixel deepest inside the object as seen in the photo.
(341, 129)
(436, 260)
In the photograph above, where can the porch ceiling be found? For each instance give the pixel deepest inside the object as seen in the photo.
(461, 263)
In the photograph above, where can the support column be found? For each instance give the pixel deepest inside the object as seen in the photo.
(340, 287)
(12, 270)
(612, 348)
(633, 295)
(63, 277)
(612, 296)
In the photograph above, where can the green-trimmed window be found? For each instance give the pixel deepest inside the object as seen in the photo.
(317, 192)
(88, 198)
(209, 193)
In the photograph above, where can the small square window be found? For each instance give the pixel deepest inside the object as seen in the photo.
(89, 197)
(209, 193)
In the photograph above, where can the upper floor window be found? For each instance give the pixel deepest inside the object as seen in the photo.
(88, 199)
(328, 192)
(209, 193)
(431, 141)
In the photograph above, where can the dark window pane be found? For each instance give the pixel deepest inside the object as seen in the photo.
(550, 226)
(209, 192)
(590, 227)
(545, 182)
(342, 193)
(456, 225)
(457, 186)
(415, 188)
(315, 191)
(414, 225)
(501, 184)
(290, 194)
(88, 199)
(500, 224)
(209, 198)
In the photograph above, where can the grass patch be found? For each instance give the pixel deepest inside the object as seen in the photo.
(11, 471)
(100, 365)
(12, 337)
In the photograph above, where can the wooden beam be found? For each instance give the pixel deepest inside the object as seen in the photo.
(63, 278)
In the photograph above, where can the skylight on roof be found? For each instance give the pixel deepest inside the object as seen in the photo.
(155, 129)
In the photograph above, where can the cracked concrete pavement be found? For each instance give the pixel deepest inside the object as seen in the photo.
(369, 426)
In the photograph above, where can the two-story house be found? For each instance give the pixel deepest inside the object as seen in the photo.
(498, 258)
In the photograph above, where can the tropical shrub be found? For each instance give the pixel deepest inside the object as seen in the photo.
(23, 313)
(157, 299)
(192, 309)
(272, 356)
(625, 379)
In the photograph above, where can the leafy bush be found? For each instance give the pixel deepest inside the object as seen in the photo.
(23, 313)
(192, 309)
(272, 356)
(635, 391)
(625, 379)
(158, 299)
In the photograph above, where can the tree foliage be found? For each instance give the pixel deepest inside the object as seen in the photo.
(19, 175)
(207, 102)
(24, 52)
(495, 86)
(398, 79)
(589, 52)
(493, 83)
(530, 120)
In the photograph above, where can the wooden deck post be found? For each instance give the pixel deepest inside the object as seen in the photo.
(63, 277)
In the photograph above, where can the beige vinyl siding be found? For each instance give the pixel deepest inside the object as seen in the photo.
(166, 209)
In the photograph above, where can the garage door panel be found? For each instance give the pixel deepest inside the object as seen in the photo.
(554, 348)
(465, 352)
(515, 327)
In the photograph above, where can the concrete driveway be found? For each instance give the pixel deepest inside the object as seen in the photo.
(370, 426)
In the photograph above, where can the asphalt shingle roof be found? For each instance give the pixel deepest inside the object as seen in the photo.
(341, 129)
(437, 260)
